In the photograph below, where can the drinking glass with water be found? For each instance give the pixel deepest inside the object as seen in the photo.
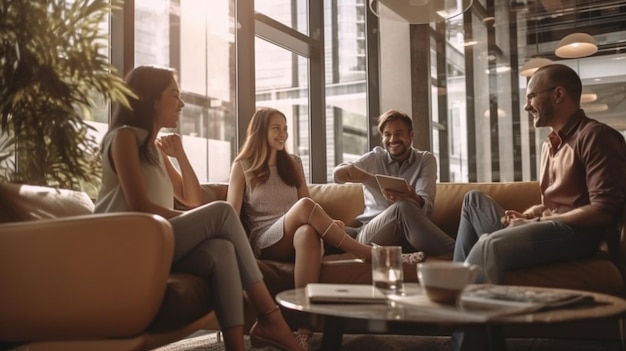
(387, 274)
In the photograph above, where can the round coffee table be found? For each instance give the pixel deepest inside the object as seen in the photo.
(392, 318)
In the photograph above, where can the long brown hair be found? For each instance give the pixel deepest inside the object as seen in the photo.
(256, 151)
(148, 83)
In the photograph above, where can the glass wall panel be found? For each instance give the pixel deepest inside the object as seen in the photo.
(457, 104)
(282, 83)
(196, 38)
(481, 101)
(152, 28)
(503, 92)
(292, 13)
(99, 117)
(345, 66)
(434, 102)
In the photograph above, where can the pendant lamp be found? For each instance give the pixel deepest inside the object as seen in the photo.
(534, 63)
(576, 45)
(595, 107)
(530, 66)
(587, 97)
(418, 11)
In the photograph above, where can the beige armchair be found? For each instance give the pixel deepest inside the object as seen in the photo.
(72, 280)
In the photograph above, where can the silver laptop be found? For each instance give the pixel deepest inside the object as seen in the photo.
(344, 293)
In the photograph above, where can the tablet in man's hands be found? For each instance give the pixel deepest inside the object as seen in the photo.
(392, 183)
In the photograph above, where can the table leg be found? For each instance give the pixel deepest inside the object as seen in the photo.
(495, 338)
(333, 334)
(622, 334)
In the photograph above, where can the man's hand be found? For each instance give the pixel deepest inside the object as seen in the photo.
(393, 196)
(514, 218)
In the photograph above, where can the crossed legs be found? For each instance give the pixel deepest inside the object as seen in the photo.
(316, 223)
(211, 242)
(306, 225)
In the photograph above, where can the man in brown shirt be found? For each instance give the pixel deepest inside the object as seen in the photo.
(583, 164)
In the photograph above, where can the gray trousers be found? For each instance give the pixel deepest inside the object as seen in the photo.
(403, 223)
(209, 241)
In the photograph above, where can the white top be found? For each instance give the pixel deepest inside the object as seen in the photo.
(111, 197)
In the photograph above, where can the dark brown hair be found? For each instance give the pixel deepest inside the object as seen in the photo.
(561, 75)
(393, 115)
(148, 83)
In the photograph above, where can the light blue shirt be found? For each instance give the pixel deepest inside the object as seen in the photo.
(419, 170)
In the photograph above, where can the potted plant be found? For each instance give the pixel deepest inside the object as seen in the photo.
(53, 69)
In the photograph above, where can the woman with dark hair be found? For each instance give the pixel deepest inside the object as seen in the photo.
(139, 176)
(268, 184)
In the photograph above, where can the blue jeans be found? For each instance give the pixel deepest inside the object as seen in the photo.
(483, 240)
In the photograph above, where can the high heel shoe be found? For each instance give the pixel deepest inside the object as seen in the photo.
(257, 341)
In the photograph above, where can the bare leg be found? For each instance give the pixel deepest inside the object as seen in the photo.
(308, 256)
(304, 247)
(307, 266)
(271, 326)
(304, 224)
(307, 211)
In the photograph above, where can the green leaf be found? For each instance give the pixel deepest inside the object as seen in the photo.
(52, 73)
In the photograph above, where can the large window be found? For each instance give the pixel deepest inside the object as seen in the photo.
(196, 38)
(292, 13)
(310, 60)
(346, 92)
(282, 83)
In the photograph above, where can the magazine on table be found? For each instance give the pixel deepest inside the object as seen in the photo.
(486, 302)
(519, 296)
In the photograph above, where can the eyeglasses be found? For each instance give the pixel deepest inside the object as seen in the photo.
(534, 95)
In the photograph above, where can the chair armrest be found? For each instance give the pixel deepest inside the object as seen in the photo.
(100, 275)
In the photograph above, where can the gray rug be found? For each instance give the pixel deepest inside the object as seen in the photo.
(208, 341)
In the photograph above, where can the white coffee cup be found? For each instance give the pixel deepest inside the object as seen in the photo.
(444, 281)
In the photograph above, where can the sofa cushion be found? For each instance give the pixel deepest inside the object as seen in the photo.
(596, 274)
(510, 195)
(340, 201)
(20, 202)
(210, 192)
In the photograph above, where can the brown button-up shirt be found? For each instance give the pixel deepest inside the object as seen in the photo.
(584, 164)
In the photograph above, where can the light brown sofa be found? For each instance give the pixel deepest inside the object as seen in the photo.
(345, 202)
